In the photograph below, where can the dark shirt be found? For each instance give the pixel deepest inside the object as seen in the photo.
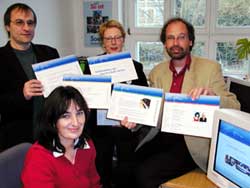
(27, 58)
(16, 124)
(178, 77)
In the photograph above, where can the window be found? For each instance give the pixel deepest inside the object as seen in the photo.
(232, 13)
(197, 17)
(150, 53)
(226, 56)
(218, 25)
(150, 13)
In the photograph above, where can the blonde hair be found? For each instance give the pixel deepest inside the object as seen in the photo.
(111, 24)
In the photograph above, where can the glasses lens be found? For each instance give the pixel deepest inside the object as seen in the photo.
(21, 23)
(116, 38)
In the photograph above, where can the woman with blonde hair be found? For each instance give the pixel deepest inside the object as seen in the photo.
(115, 139)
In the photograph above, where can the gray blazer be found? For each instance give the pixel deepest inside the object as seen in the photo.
(202, 73)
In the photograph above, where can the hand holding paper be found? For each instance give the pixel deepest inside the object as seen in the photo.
(197, 92)
(32, 88)
(140, 104)
(127, 124)
(183, 115)
(120, 66)
(51, 72)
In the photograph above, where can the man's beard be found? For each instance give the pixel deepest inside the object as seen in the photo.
(177, 56)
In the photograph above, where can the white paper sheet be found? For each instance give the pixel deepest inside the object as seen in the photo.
(140, 104)
(95, 89)
(51, 72)
(120, 66)
(182, 115)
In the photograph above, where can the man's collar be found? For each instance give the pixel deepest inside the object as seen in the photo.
(186, 66)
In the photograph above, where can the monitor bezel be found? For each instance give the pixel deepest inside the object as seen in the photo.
(241, 93)
(238, 81)
(237, 118)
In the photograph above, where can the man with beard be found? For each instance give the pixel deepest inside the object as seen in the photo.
(163, 156)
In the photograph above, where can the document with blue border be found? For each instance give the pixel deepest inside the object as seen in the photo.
(182, 115)
(120, 66)
(95, 89)
(140, 104)
(51, 72)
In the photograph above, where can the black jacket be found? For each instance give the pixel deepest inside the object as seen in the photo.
(16, 112)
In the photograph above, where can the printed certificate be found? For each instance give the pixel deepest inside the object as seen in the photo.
(120, 66)
(95, 89)
(140, 104)
(182, 115)
(51, 72)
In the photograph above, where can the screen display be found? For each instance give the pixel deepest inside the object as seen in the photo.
(232, 157)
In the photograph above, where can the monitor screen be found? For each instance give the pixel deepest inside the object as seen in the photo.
(241, 88)
(229, 161)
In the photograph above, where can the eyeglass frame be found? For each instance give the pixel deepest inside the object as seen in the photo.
(116, 38)
(21, 23)
(181, 37)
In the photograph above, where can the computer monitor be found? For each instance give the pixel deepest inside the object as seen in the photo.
(229, 160)
(241, 88)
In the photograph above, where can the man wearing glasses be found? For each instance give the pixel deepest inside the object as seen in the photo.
(20, 92)
(163, 156)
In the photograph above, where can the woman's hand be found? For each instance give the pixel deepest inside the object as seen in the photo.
(127, 124)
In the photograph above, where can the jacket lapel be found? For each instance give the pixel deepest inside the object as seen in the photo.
(167, 80)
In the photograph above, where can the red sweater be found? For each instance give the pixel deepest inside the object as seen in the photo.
(43, 170)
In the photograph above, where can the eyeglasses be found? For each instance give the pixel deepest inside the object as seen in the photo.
(116, 38)
(21, 23)
(181, 37)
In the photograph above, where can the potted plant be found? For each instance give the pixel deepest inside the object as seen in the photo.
(243, 50)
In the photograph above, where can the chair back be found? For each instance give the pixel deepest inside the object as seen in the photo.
(11, 165)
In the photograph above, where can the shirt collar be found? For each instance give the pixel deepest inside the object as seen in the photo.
(57, 154)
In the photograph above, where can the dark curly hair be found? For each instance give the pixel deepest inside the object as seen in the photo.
(189, 26)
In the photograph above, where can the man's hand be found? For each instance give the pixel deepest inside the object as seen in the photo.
(32, 88)
(196, 92)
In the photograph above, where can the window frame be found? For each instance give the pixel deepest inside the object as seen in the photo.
(210, 34)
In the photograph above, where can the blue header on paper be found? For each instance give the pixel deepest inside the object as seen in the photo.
(138, 90)
(234, 132)
(54, 62)
(86, 78)
(108, 58)
(182, 98)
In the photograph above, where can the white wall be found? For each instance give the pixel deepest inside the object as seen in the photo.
(54, 23)
(60, 24)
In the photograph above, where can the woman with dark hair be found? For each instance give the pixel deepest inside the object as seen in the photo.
(63, 156)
